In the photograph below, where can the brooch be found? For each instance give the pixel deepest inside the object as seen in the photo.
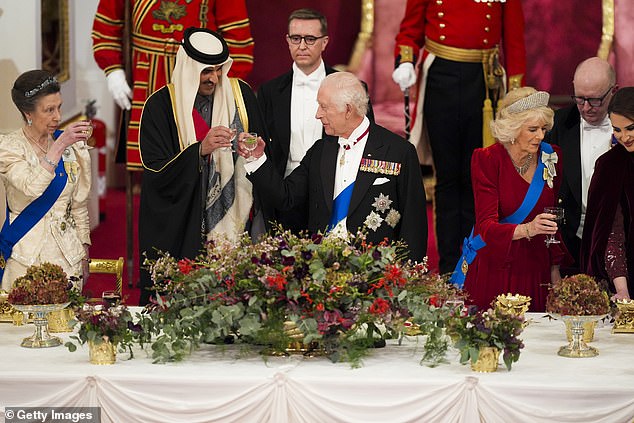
(550, 172)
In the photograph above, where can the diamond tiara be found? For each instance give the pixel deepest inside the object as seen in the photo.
(537, 99)
(48, 81)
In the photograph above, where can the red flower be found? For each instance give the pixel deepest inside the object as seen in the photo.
(434, 300)
(277, 282)
(320, 307)
(185, 266)
(379, 306)
(394, 274)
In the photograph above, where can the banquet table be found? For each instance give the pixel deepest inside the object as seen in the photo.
(235, 384)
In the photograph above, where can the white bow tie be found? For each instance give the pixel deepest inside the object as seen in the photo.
(300, 80)
(603, 125)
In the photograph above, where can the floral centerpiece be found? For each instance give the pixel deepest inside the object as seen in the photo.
(487, 328)
(42, 284)
(101, 323)
(578, 295)
(342, 294)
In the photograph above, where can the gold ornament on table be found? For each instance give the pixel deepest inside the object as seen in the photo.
(579, 302)
(487, 361)
(624, 320)
(514, 304)
(42, 290)
(59, 321)
(40, 338)
(102, 353)
(295, 344)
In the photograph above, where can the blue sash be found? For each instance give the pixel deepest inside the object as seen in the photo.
(11, 233)
(472, 244)
(340, 206)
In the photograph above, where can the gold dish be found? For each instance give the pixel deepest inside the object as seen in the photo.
(624, 320)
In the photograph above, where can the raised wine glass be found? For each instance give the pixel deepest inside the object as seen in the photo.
(250, 143)
(84, 144)
(233, 128)
(559, 218)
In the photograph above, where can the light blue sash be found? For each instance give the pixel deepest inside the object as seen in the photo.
(340, 207)
(472, 244)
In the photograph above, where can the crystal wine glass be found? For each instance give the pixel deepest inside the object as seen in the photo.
(250, 143)
(84, 144)
(233, 128)
(559, 218)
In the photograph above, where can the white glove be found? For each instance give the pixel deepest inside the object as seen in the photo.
(404, 75)
(119, 88)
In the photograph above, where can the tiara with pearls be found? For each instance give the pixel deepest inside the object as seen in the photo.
(537, 99)
(48, 81)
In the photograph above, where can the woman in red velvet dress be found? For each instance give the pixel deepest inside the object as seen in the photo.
(607, 246)
(516, 258)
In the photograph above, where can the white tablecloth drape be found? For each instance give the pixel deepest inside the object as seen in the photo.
(227, 384)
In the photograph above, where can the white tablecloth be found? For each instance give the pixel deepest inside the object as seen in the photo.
(233, 385)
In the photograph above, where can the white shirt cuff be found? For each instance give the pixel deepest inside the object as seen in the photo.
(251, 167)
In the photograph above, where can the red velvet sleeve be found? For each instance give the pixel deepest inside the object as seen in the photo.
(485, 177)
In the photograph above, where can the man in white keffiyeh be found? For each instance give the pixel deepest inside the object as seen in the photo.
(193, 188)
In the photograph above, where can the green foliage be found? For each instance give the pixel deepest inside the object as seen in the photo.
(487, 328)
(101, 323)
(336, 291)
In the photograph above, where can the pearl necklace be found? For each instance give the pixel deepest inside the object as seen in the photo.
(522, 168)
(37, 144)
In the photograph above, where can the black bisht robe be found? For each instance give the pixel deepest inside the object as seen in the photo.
(171, 209)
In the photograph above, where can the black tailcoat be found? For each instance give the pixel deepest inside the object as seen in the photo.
(314, 180)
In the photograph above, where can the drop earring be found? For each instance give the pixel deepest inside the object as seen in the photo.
(512, 140)
(29, 122)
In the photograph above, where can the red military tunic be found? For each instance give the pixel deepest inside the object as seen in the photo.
(157, 28)
(465, 24)
(459, 73)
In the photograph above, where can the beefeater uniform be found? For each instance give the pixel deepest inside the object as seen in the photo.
(157, 29)
(462, 42)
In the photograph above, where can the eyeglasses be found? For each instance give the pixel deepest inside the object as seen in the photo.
(593, 102)
(308, 39)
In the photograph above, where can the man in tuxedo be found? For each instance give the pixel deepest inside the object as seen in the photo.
(583, 131)
(289, 102)
(360, 176)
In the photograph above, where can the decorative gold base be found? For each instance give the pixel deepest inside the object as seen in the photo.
(58, 321)
(588, 331)
(577, 347)
(487, 361)
(102, 354)
(624, 320)
(296, 344)
(41, 337)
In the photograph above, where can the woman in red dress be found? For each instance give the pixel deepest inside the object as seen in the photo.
(516, 258)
